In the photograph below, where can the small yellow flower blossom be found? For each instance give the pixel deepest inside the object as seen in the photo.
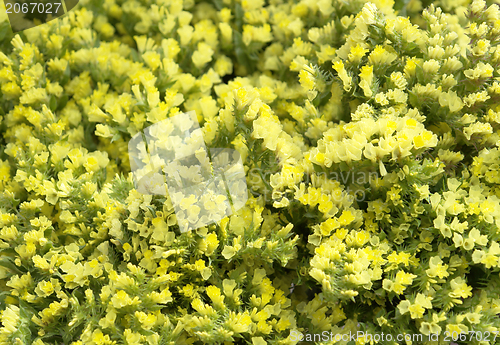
(366, 76)
(346, 79)
(417, 308)
(356, 54)
(122, 299)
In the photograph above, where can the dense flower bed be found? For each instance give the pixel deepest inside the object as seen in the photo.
(370, 136)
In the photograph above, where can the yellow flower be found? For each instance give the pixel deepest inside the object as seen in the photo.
(481, 71)
(380, 56)
(346, 218)
(11, 90)
(215, 295)
(410, 67)
(473, 318)
(398, 258)
(147, 320)
(478, 127)
(203, 308)
(482, 46)
(10, 318)
(202, 55)
(426, 139)
(357, 53)
(133, 338)
(267, 127)
(164, 297)
(307, 79)
(238, 322)
(437, 268)
(366, 81)
(458, 328)
(342, 73)
(121, 299)
(44, 289)
(211, 242)
(256, 34)
(460, 289)
(327, 53)
(431, 67)
(223, 66)
(416, 309)
(429, 328)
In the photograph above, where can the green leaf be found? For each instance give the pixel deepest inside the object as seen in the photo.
(239, 13)
(61, 103)
(25, 310)
(241, 51)
(344, 166)
(218, 4)
(7, 262)
(116, 137)
(153, 211)
(52, 103)
(4, 29)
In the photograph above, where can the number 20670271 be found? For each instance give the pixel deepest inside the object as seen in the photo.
(25, 14)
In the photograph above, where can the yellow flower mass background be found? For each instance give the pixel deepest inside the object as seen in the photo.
(369, 133)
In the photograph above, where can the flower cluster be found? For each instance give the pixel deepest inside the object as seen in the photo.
(369, 133)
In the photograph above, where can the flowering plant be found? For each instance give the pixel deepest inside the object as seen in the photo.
(369, 133)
